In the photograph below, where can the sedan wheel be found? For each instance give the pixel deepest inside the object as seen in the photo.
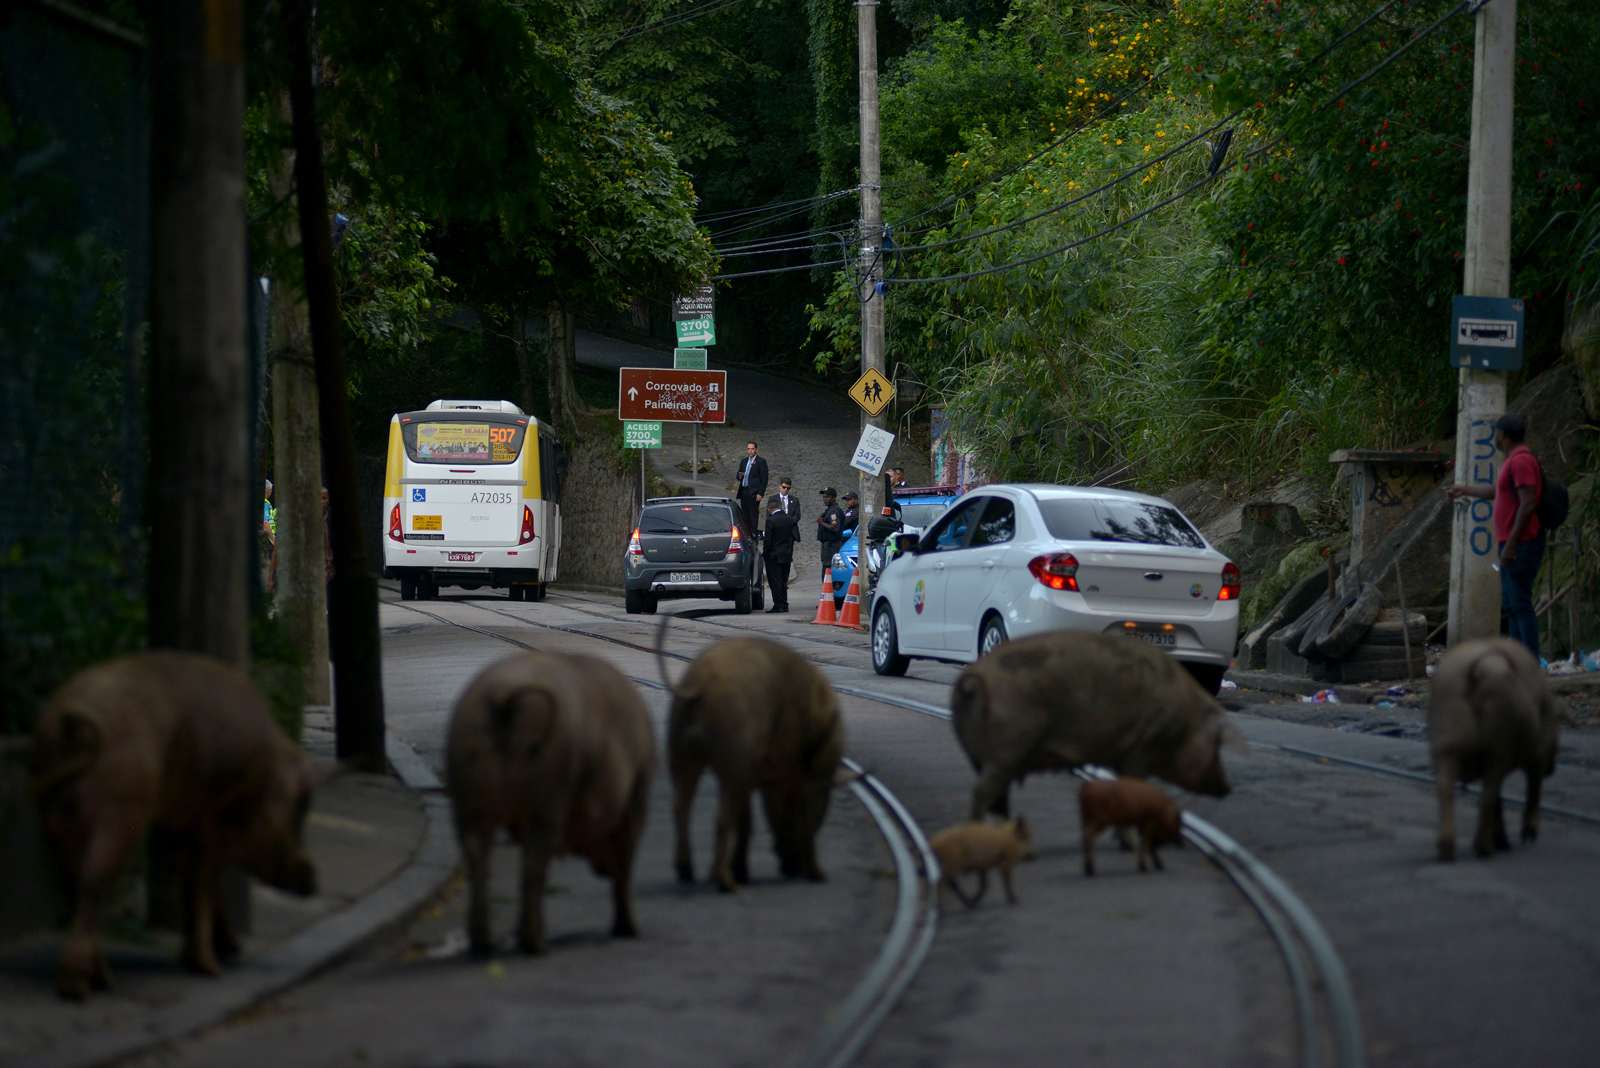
(992, 636)
(886, 658)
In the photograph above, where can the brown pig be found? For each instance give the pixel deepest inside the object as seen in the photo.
(1128, 803)
(179, 742)
(979, 847)
(1069, 698)
(761, 718)
(558, 750)
(1490, 712)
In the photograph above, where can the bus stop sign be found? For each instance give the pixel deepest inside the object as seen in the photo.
(1486, 333)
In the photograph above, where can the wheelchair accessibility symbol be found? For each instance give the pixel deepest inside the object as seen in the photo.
(419, 495)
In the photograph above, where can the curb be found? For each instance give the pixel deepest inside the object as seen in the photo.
(1295, 686)
(313, 950)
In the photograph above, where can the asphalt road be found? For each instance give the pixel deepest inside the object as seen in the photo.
(1478, 963)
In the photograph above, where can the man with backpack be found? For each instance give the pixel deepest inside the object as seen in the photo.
(1526, 506)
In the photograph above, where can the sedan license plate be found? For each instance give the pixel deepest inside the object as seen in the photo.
(1167, 639)
(684, 576)
(465, 558)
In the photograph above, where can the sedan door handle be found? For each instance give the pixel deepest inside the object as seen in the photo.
(938, 567)
(988, 563)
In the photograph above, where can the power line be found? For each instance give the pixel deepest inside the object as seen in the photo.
(619, 36)
(781, 270)
(723, 215)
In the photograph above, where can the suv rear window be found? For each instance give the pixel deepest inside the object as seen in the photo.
(686, 519)
(1112, 519)
(462, 441)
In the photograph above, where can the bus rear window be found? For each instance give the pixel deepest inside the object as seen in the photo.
(463, 442)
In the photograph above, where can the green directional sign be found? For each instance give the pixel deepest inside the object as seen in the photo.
(641, 435)
(697, 332)
(689, 359)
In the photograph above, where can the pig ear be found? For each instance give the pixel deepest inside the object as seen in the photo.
(844, 776)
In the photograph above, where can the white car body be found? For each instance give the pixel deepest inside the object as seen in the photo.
(971, 571)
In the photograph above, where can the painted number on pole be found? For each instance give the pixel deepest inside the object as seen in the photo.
(641, 435)
(872, 450)
(697, 332)
(1486, 333)
(689, 359)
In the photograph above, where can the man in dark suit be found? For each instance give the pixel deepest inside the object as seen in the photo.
(778, 548)
(752, 480)
(785, 498)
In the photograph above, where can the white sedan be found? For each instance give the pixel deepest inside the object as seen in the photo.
(1012, 560)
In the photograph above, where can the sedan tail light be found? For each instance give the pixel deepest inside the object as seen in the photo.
(395, 530)
(634, 548)
(735, 544)
(1230, 583)
(527, 526)
(1059, 571)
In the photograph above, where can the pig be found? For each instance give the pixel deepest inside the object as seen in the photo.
(182, 744)
(557, 749)
(1069, 698)
(1123, 803)
(1490, 712)
(979, 847)
(761, 718)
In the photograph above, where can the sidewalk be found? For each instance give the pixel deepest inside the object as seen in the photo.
(383, 846)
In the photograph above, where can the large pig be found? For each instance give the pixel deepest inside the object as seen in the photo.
(1070, 698)
(1490, 712)
(180, 742)
(558, 750)
(761, 718)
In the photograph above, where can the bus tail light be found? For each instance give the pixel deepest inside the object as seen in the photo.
(1059, 571)
(395, 530)
(527, 526)
(634, 548)
(1230, 583)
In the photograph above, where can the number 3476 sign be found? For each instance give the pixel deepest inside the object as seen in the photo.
(872, 450)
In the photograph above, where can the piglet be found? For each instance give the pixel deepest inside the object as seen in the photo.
(558, 750)
(1125, 803)
(1490, 712)
(977, 847)
(179, 742)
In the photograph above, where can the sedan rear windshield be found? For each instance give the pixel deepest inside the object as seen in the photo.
(1112, 519)
(686, 519)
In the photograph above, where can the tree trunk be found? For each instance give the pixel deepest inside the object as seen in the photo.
(519, 345)
(201, 489)
(561, 360)
(353, 592)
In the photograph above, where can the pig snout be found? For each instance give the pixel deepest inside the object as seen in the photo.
(1198, 764)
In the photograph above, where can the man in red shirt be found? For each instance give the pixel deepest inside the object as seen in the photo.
(1516, 493)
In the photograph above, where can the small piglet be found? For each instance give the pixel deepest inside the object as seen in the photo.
(1490, 712)
(979, 847)
(558, 750)
(1124, 803)
(181, 742)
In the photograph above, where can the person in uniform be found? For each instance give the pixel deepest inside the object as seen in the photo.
(778, 548)
(830, 526)
(852, 514)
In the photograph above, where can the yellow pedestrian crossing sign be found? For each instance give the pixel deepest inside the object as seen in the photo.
(872, 391)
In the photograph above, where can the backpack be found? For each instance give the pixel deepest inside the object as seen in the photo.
(1553, 505)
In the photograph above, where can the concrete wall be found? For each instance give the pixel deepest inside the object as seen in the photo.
(597, 511)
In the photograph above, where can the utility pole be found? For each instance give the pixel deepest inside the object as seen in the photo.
(1481, 394)
(872, 337)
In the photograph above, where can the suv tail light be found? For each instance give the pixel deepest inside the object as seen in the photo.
(527, 526)
(395, 531)
(735, 544)
(1059, 571)
(1230, 583)
(634, 548)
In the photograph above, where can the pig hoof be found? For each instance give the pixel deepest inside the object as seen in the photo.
(1447, 851)
(1483, 849)
(72, 987)
(531, 944)
(204, 965)
(685, 873)
(624, 929)
(1530, 834)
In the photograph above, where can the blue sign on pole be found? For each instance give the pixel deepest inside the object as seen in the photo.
(1486, 333)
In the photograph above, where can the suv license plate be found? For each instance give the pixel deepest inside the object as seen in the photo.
(1165, 638)
(684, 576)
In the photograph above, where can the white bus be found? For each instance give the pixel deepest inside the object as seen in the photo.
(472, 498)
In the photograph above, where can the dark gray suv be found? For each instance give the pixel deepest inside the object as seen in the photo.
(690, 547)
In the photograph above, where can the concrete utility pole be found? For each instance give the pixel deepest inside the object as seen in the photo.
(872, 338)
(1481, 395)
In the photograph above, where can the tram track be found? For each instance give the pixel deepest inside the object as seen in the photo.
(916, 917)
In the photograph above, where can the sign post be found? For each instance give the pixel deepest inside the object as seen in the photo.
(872, 451)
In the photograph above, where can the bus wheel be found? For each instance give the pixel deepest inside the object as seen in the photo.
(408, 587)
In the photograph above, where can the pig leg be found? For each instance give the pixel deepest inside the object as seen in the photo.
(741, 845)
(535, 865)
(1530, 807)
(983, 886)
(623, 845)
(1444, 783)
(1143, 849)
(198, 871)
(1091, 831)
(1491, 828)
(1005, 877)
(991, 793)
(735, 800)
(954, 883)
(83, 962)
(685, 781)
(1148, 840)
(475, 845)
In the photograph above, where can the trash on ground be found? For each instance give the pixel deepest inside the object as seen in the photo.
(1321, 697)
(1397, 691)
(1429, 670)
(1229, 684)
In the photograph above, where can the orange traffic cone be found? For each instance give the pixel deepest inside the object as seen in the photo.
(850, 614)
(825, 605)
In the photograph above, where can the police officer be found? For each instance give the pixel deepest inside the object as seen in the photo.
(830, 526)
(852, 514)
(778, 549)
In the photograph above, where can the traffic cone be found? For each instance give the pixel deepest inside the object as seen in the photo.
(850, 614)
(825, 605)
